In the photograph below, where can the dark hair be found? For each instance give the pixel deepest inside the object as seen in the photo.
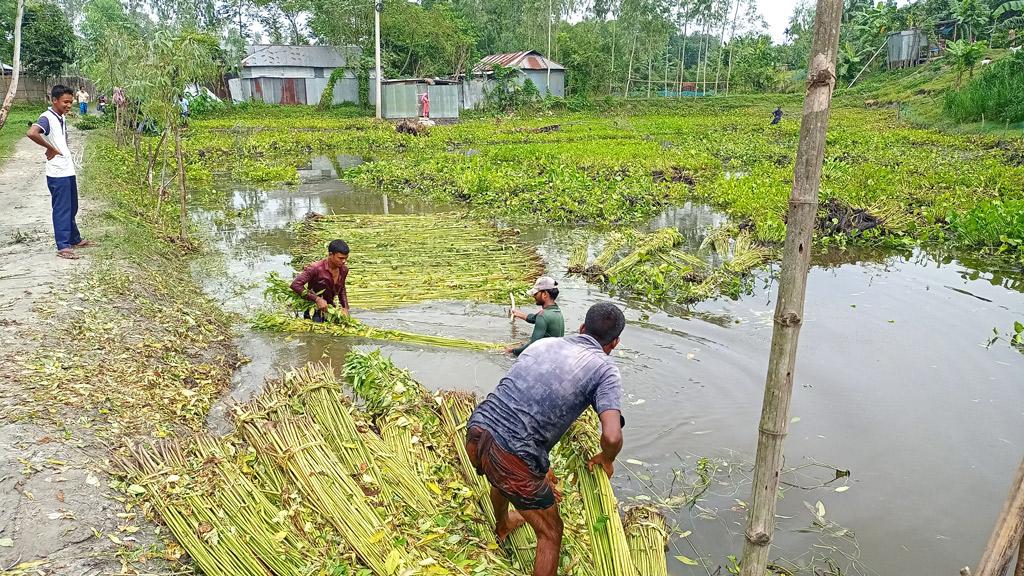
(604, 322)
(60, 90)
(553, 292)
(337, 247)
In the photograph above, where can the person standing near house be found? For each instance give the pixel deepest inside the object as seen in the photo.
(83, 100)
(425, 105)
(101, 104)
(183, 105)
(50, 132)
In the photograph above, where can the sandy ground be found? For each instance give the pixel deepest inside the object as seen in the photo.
(55, 506)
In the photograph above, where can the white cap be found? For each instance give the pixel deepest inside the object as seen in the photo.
(543, 283)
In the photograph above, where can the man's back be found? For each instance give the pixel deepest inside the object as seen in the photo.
(547, 389)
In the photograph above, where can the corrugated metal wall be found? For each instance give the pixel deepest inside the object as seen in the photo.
(399, 101)
(540, 78)
(295, 89)
(444, 100)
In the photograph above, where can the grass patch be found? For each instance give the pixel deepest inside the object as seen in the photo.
(15, 128)
(996, 95)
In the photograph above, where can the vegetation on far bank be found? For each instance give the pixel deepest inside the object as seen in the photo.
(884, 181)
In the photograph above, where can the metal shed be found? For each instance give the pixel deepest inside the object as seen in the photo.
(530, 63)
(401, 97)
(907, 48)
(280, 74)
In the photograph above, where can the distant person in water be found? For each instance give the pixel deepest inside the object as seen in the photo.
(323, 281)
(548, 321)
(777, 116)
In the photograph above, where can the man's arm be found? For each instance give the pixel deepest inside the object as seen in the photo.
(611, 442)
(35, 134)
(299, 287)
(343, 297)
(540, 328)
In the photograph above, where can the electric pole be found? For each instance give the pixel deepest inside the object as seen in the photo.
(377, 8)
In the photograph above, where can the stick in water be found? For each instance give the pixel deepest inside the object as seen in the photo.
(512, 310)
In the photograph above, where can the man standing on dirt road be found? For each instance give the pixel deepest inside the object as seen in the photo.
(83, 100)
(322, 281)
(50, 132)
(511, 432)
(548, 322)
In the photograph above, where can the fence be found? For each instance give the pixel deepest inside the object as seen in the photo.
(35, 91)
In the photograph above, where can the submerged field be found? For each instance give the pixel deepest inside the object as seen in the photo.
(572, 185)
(883, 181)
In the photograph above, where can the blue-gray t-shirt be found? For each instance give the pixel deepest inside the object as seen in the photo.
(551, 384)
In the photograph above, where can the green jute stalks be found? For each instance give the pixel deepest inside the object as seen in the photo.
(607, 538)
(300, 449)
(647, 536)
(224, 521)
(659, 241)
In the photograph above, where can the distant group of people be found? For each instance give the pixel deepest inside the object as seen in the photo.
(511, 433)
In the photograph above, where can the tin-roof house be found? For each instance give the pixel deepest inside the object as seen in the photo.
(280, 74)
(530, 63)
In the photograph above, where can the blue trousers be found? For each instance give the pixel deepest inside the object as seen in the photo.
(64, 200)
(83, 108)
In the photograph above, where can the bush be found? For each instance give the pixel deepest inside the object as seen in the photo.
(94, 121)
(996, 94)
(203, 104)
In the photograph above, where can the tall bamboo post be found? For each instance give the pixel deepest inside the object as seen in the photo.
(803, 208)
(1008, 531)
(16, 70)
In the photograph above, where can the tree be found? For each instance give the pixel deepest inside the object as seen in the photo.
(49, 42)
(965, 56)
(13, 88)
(970, 16)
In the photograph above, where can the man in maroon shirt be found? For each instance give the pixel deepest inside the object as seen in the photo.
(322, 281)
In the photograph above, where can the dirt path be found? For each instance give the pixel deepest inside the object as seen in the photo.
(55, 506)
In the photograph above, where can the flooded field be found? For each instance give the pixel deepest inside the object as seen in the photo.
(895, 383)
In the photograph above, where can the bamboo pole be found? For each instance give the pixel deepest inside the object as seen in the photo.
(12, 89)
(803, 207)
(1018, 570)
(1008, 532)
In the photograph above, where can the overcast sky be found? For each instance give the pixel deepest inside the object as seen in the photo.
(776, 13)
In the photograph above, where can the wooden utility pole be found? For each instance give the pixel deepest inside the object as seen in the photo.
(789, 309)
(378, 6)
(1008, 533)
(13, 88)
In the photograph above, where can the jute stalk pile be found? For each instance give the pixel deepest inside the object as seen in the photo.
(313, 482)
(399, 260)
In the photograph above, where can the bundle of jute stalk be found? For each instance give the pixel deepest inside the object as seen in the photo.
(613, 243)
(399, 260)
(658, 241)
(337, 324)
(607, 538)
(226, 523)
(302, 451)
(578, 257)
(647, 536)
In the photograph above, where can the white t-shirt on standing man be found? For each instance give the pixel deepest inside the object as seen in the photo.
(55, 132)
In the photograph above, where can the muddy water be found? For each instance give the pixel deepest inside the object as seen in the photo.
(895, 384)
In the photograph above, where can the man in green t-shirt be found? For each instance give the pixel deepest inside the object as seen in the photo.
(548, 322)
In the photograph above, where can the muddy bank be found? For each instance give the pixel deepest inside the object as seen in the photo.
(118, 346)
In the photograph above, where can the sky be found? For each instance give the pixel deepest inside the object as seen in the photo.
(776, 13)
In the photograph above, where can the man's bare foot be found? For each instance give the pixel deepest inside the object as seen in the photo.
(513, 521)
(85, 244)
(68, 254)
